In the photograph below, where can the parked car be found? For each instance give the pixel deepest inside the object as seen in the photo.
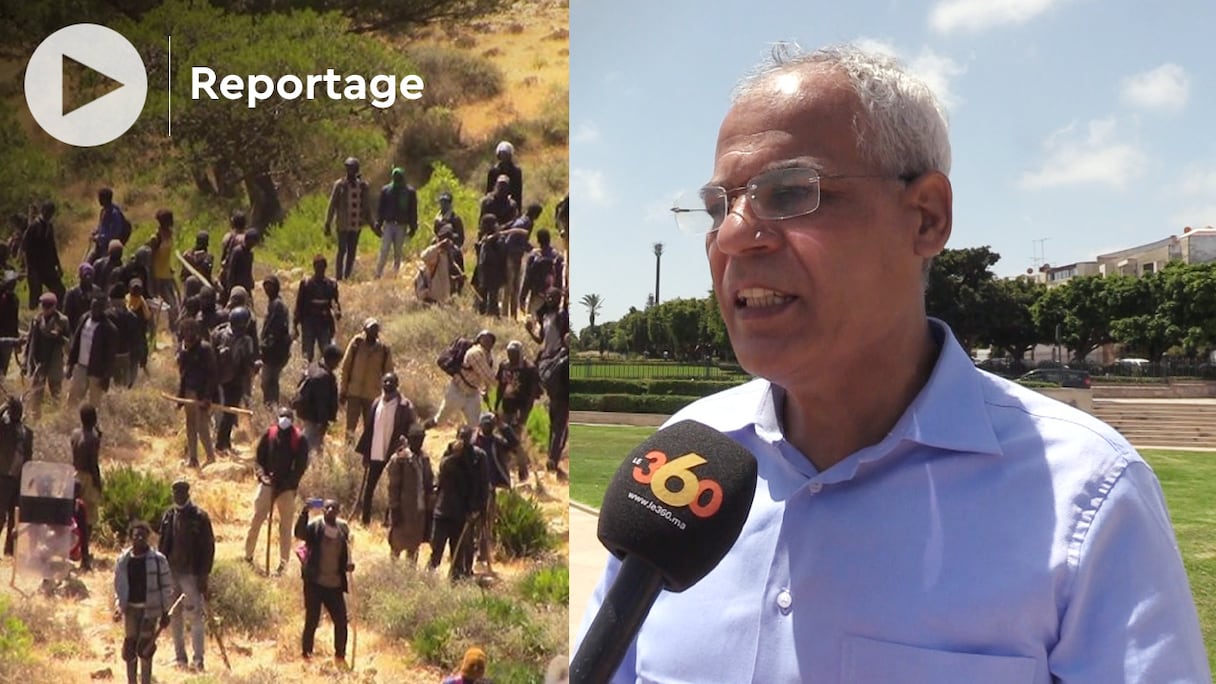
(1064, 377)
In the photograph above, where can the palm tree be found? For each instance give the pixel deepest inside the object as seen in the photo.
(593, 302)
(658, 256)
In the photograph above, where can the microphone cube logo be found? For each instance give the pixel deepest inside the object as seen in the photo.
(103, 51)
(702, 497)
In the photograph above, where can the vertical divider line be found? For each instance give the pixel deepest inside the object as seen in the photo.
(169, 84)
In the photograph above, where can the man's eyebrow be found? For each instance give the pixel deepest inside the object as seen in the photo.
(805, 162)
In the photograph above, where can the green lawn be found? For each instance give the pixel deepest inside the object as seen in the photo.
(596, 451)
(1188, 479)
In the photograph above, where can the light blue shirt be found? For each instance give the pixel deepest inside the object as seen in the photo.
(994, 536)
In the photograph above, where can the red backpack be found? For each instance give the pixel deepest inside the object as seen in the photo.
(296, 436)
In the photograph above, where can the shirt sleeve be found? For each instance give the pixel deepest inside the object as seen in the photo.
(1130, 616)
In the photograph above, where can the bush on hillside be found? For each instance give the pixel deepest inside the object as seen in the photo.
(456, 77)
(54, 630)
(548, 585)
(15, 636)
(128, 495)
(239, 597)
(520, 527)
(441, 620)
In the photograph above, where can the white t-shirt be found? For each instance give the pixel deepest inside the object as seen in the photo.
(382, 428)
(86, 341)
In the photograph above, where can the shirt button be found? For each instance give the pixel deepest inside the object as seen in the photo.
(784, 600)
(816, 487)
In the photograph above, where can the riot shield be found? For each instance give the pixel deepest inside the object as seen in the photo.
(44, 520)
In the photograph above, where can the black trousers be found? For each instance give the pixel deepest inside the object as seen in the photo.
(44, 277)
(559, 427)
(10, 489)
(446, 531)
(334, 601)
(371, 477)
(230, 394)
(348, 245)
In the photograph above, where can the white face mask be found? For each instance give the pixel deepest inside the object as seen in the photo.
(7, 419)
(284, 422)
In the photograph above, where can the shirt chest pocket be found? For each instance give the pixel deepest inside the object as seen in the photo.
(866, 661)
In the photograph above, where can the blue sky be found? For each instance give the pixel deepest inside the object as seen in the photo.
(1078, 126)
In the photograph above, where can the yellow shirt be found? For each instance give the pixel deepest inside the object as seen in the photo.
(162, 260)
(137, 305)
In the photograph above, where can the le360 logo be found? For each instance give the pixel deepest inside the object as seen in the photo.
(702, 496)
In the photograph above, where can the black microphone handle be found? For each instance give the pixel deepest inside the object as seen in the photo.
(620, 616)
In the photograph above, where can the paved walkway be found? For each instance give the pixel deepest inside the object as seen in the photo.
(587, 559)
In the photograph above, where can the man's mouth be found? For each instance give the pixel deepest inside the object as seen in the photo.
(759, 297)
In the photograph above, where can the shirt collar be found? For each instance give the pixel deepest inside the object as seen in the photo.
(950, 412)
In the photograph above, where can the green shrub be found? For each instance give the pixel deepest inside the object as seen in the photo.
(433, 640)
(537, 426)
(441, 620)
(1038, 384)
(629, 403)
(456, 77)
(687, 388)
(15, 637)
(548, 585)
(129, 495)
(239, 597)
(608, 386)
(520, 527)
(53, 629)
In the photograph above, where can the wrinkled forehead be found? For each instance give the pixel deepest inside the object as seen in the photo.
(805, 117)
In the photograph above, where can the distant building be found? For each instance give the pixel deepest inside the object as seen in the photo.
(1141, 260)
(1194, 246)
(1056, 275)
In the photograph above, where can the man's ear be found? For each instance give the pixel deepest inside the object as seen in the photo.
(933, 199)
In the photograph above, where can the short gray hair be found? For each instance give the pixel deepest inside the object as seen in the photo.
(906, 121)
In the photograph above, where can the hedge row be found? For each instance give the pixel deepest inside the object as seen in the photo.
(629, 403)
(687, 388)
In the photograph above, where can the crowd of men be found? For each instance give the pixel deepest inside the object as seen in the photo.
(99, 335)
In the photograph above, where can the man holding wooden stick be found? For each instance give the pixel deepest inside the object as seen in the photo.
(197, 389)
(282, 457)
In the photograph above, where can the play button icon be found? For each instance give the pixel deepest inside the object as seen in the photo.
(98, 49)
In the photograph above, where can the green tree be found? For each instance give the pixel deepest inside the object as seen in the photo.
(226, 146)
(960, 292)
(1081, 310)
(593, 303)
(631, 335)
(1012, 327)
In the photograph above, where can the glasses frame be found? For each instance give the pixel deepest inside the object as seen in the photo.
(758, 208)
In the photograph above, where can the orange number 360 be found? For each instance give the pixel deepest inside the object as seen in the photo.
(659, 473)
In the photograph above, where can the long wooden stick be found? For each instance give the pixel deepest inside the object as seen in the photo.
(234, 410)
(350, 619)
(193, 271)
(216, 628)
(269, 528)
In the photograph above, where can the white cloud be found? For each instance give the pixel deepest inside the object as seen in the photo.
(586, 133)
(937, 71)
(1194, 189)
(1165, 88)
(1195, 216)
(1094, 155)
(979, 15)
(588, 185)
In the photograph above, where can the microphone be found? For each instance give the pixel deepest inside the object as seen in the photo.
(672, 511)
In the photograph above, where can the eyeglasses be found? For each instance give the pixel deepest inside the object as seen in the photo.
(772, 196)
